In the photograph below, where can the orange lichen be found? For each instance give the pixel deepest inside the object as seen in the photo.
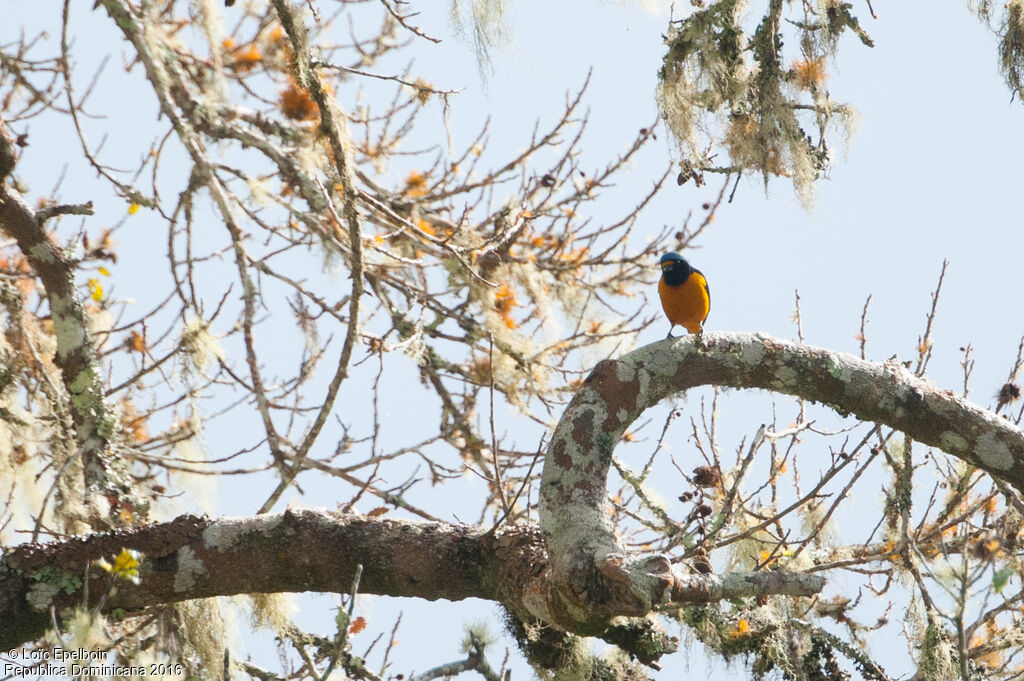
(504, 302)
(297, 104)
(246, 58)
(575, 255)
(358, 624)
(415, 184)
(809, 73)
(134, 422)
(742, 629)
(276, 33)
(135, 342)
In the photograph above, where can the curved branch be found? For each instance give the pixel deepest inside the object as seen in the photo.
(595, 580)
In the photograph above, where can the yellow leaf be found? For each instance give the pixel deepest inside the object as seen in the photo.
(126, 565)
(125, 562)
(104, 271)
(95, 289)
(133, 209)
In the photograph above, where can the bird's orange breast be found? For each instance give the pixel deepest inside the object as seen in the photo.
(687, 304)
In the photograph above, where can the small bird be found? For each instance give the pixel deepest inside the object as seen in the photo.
(684, 293)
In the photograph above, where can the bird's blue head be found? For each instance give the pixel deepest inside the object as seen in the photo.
(675, 269)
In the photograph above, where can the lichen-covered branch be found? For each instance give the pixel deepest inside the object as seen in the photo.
(76, 354)
(594, 578)
(192, 557)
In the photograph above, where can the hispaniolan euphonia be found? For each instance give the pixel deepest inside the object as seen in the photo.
(684, 293)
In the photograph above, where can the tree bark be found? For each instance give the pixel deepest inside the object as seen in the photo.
(192, 557)
(570, 572)
(594, 578)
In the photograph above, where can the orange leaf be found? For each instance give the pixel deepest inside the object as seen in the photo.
(136, 342)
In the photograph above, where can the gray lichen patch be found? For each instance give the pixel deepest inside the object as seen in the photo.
(225, 534)
(189, 567)
(786, 377)
(837, 370)
(658, 359)
(625, 372)
(751, 354)
(40, 596)
(43, 252)
(952, 442)
(993, 452)
(68, 330)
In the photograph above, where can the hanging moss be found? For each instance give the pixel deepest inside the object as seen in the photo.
(725, 90)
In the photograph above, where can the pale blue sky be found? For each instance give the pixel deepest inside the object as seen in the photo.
(934, 172)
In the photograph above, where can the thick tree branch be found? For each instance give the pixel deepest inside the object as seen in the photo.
(192, 557)
(594, 578)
